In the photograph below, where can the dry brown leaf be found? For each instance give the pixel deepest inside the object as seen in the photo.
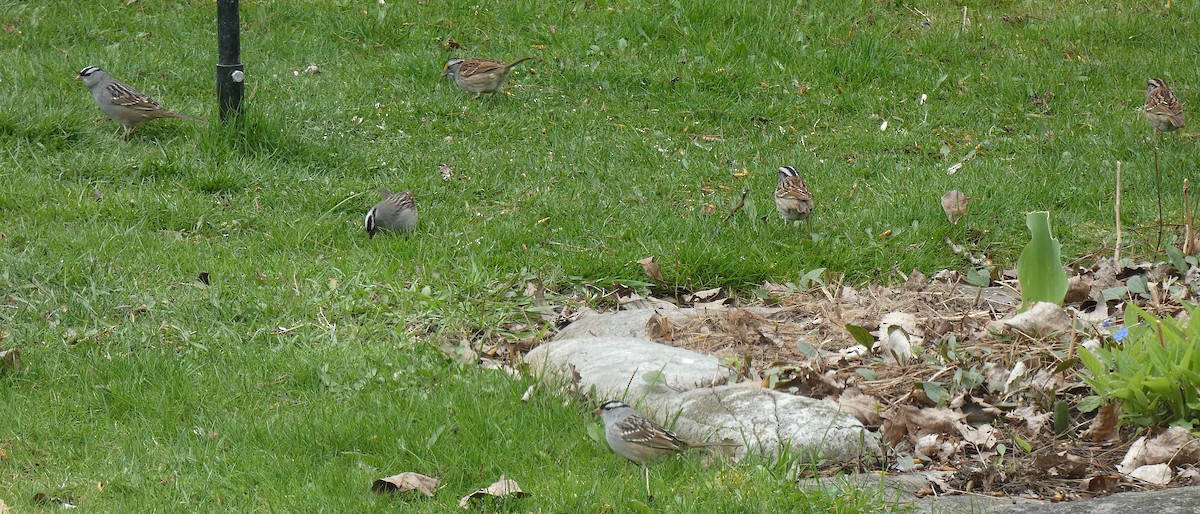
(864, 408)
(1174, 446)
(1028, 414)
(1157, 474)
(1062, 464)
(916, 281)
(936, 446)
(706, 295)
(1102, 484)
(983, 436)
(405, 482)
(503, 488)
(651, 268)
(954, 204)
(10, 360)
(1107, 424)
(938, 420)
(897, 424)
(659, 328)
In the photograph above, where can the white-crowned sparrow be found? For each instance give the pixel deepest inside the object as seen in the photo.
(479, 76)
(122, 103)
(397, 212)
(1163, 110)
(792, 197)
(640, 439)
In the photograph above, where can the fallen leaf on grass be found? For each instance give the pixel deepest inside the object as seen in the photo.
(4, 508)
(955, 205)
(10, 360)
(503, 488)
(651, 268)
(405, 482)
(445, 171)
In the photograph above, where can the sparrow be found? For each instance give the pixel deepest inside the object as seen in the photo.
(1163, 110)
(792, 197)
(640, 439)
(122, 103)
(396, 212)
(479, 76)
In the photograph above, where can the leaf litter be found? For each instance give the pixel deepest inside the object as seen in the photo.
(963, 390)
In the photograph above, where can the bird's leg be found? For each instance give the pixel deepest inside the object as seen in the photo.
(646, 470)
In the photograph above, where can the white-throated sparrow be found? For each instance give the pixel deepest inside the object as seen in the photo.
(479, 76)
(1163, 110)
(792, 196)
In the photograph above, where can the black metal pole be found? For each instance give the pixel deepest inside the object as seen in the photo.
(230, 75)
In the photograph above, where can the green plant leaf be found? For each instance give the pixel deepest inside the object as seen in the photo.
(1039, 270)
(862, 335)
(935, 391)
(1090, 403)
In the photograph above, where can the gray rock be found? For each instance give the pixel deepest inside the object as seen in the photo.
(685, 390)
(622, 367)
(616, 324)
(767, 421)
(632, 323)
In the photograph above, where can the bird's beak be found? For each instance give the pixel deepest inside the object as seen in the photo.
(597, 411)
(79, 77)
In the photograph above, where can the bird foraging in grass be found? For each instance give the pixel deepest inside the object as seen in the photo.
(396, 212)
(792, 197)
(479, 76)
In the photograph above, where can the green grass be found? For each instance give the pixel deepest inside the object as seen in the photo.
(175, 395)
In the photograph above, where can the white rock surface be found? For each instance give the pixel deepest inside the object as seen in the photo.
(687, 391)
(628, 368)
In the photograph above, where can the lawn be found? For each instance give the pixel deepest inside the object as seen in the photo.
(309, 366)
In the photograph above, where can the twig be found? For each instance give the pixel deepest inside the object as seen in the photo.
(741, 203)
(1189, 246)
(1117, 247)
(1158, 187)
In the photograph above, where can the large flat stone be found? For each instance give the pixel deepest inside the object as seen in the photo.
(766, 421)
(622, 367)
(632, 323)
(687, 391)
